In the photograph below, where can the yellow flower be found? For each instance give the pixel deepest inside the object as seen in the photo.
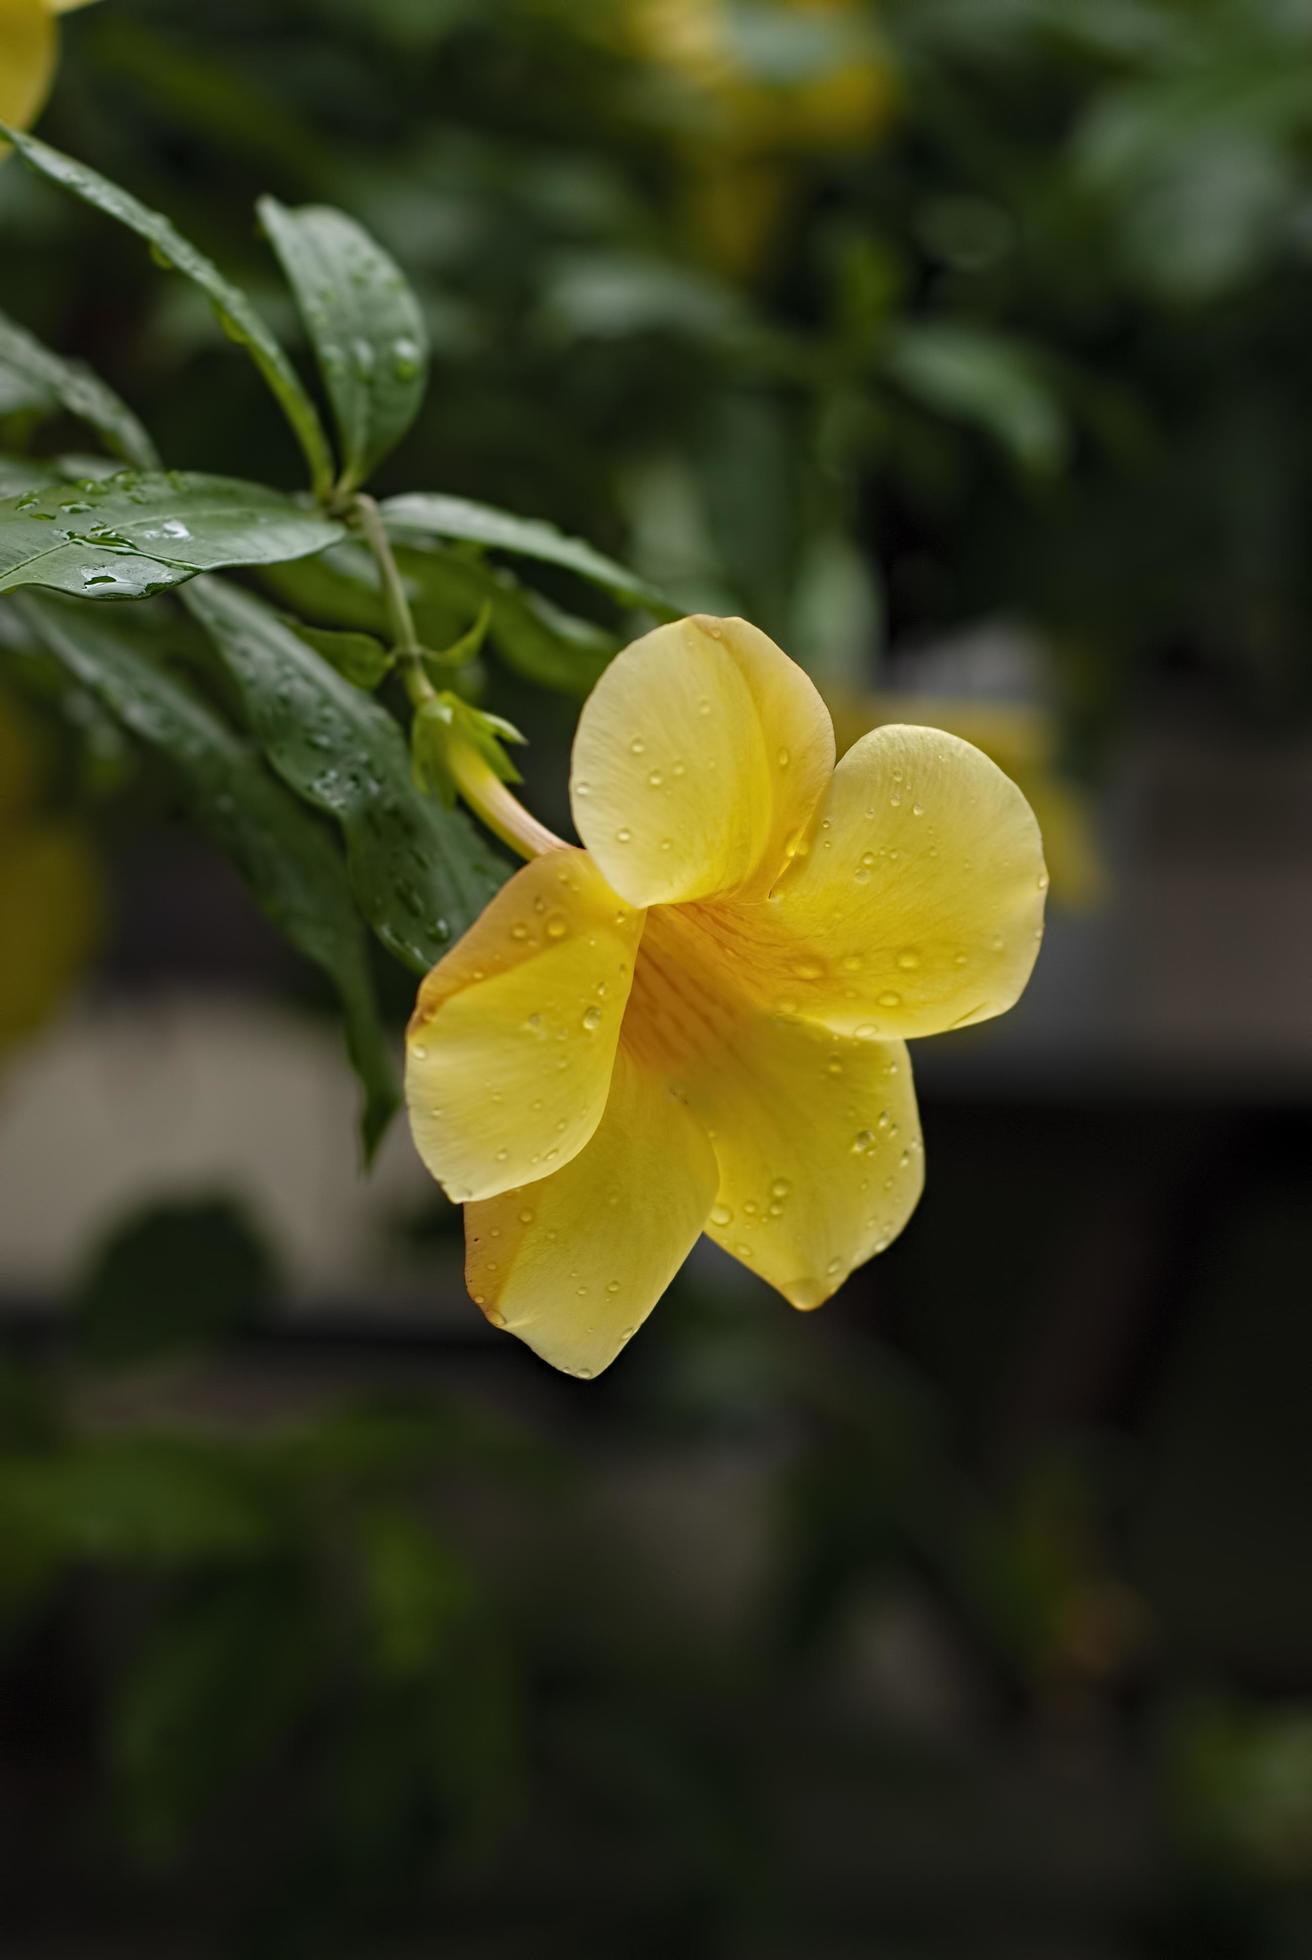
(696, 1023)
(28, 41)
(49, 890)
(832, 92)
(1021, 738)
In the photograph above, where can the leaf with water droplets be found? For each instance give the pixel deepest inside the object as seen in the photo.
(32, 377)
(421, 872)
(130, 535)
(364, 323)
(170, 249)
(424, 515)
(286, 857)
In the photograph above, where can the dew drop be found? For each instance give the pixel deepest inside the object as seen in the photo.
(623, 834)
(1042, 881)
(863, 1140)
(591, 1018)
(834, 1267)
(721, 1215)
(613, 1287)
(526, 1216)
(908, 959)
(784, 758)
(852, 962)
(419, 1052)
(637, 746)
(555, 928)
(808, 969)
(655, 779)
(780, 1188)
(889, 999)
(519, 931)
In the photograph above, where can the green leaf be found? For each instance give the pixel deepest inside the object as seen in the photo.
(421, 873)
(128, 536)
(235, 313)
(358, 657)
(537, 639)
(984, 378)
(287, 860)
(427, 515)
(364, 322)
(32, 377)
(153, 1499)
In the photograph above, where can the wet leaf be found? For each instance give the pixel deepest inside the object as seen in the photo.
(289, 863)
(236, 315)
(32, 377)
(364, 322)
(421, 873)
(130, 535)
(427, 515)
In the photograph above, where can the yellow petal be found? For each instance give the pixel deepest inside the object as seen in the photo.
(67, 6)
(575, 1263)
(816, 1135)
(27, 60)
(513, 1038)
(1022, 738)
(702, 750)
(920, 904)
(49, 919)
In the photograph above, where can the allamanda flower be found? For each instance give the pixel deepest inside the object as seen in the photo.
(697, 1021)
(28, 47)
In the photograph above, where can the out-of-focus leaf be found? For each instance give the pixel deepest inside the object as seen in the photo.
(421, 873)
(416, 1591)
(359, 658)
(173, 1276)
(131, 535)
(32, 377)
(364, 322)
(287, 860)
(426, 515)
(235, 313)
(211, 1691)
(22, 473)
(147, 1499)
(983, 378)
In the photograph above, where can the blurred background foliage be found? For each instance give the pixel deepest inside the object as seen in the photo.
(893, 327)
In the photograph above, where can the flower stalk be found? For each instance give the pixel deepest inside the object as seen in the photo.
(458, 750)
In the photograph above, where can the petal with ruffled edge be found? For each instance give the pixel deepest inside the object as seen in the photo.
(27, 60)
(816, 1135)
(573, 1264)
(919, 906)
(701, 752)
(511, 1045)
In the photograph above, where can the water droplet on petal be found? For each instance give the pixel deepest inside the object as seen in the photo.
(591, 1018)
(908, 959)
(721, 1215)
(889, 999)
(556, 927)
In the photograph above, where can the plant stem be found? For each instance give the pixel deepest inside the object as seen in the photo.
(482, 789)
(400, 620)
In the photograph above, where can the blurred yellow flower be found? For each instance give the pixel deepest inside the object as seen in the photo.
(821, 85)
(697, 1022)
(28, 40)
(1022, 739)
(49, 889)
